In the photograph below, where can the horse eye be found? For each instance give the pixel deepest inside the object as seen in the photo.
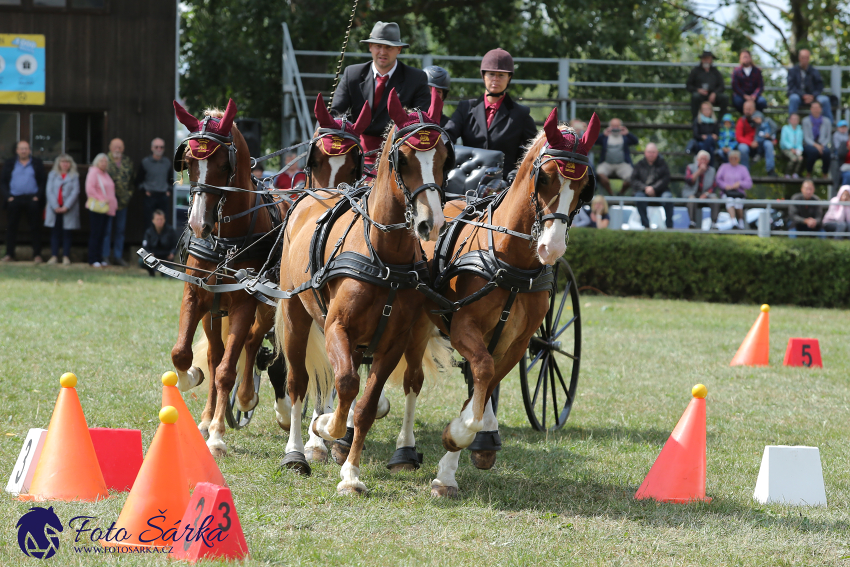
(402, 160)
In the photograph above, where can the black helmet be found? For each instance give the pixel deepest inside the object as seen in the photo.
(438, 77)
(497, 60)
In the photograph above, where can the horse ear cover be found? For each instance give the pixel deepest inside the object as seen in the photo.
(322, 114)
(185, 118)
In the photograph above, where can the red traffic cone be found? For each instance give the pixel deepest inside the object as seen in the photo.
(199, 463)
(678, 474)
(755, 349)
(210, 527)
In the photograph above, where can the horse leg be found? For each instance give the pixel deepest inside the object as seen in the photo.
(341, 446)
(282, 404)
(215, 351)
(383, 406)
(191, 310)
(333, 426)
(316, 451)
(294, 322)
(406, 458)
(246, 397)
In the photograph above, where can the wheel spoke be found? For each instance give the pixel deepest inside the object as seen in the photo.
(543, 376)
(536, 358)
(570, 322)
(566, 390)
(565, 353)
(563, 302)
(554, 392)
(537, 388)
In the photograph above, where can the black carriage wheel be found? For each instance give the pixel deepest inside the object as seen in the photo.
(549, 370)
(236, 418)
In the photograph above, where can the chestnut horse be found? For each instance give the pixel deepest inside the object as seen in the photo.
(552, 181)
(378, 239)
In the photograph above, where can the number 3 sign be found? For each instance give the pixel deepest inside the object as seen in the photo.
(225, 538)
(21, 477)
(803, 352)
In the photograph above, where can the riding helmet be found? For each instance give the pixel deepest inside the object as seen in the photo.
(497, 60)
(438, 77)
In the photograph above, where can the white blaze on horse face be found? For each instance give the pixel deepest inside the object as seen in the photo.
(553, 241)
(199, 202)
(428, 207)
(406, 438)
(336, 163)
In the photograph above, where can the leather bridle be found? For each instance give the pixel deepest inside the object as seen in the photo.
(341, 133)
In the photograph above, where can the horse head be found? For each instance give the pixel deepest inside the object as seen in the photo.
(336, 155)
(421, 161)
(562, 181)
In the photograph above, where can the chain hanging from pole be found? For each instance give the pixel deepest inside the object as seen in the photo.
(342, 54)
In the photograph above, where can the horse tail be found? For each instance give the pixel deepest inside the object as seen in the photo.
(435, 361)
(316, 359)
(201, 348)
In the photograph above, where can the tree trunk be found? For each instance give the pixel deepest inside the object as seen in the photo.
(799, 28)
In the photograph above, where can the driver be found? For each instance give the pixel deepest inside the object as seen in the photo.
(494, 121)
(440, 79)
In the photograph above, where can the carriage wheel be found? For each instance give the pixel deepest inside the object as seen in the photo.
(549, 370)
(236, 418)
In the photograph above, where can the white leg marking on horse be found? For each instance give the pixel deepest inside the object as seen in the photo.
(188, 380)
(215, 441)
(251, 405)
(446, 470)
(204, 427)
(405, 437)
(350, 479)
(283, 411)
(464, 428)
(335, 163)
(350, 421)
(324, 423)
(316, 442)
(553, 241)
(383, 407)
(489, 421)
(295, 443)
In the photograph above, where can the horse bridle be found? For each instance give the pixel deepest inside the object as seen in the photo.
(342, 133)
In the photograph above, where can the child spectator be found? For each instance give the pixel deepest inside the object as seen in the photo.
(160, 240)
(805, 217)
(837, 218)
(840, 137)
(791, 144)
(62, 214)
(726, 141)
(734, 181)
(766, 137)
(706, 131)
(599, 212)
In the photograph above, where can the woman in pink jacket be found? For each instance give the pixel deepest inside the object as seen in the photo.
(837, 218)
(734, 181)
(100, 189)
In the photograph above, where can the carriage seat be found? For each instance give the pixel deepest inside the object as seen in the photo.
(473, 166)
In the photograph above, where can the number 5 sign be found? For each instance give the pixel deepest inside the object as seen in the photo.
(803, 352)
(21, 477)
(210, 511)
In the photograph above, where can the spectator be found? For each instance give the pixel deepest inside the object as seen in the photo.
(102, 204)
(440, 79)
(817, 134)
(599, 213)
(62, 213)
(700, 184)
(160, 240)
(837, 218)
(766, 139)
(840, 137)
(727, 142)
(805, 85)
(616, 159)
(285, 179)
(805, 217)
(22, 183)
(844, 159)
(749, 144)
(706, 83)
(121, 172)
(155, 178)
(734, 180)
(791, 144)
(651, 178)
(706, 131)
(747, 83)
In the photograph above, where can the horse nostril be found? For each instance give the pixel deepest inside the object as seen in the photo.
(424, 228)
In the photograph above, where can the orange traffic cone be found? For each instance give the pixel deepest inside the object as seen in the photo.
(755, 349)
(68, 468)
(198, 462)
(160, 494)
(678, 474)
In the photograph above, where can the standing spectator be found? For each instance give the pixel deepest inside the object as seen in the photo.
(100, 189)
(805, 217)
(155, 178)
(706, 131)
(837, 218)
(805, 85)
(121, 171)
(22, 183)
(616, 159)
(766, 140)
(749, 144)
(440, 79)
(700, 184)
(791, 144)
(599, 213)
(651, 178)
(727, 141)
(734, 180)
(706, 83)
(160, 240)
(817, 134)
(747, 83)
(293, 173)
(62, 214)
(843, 154)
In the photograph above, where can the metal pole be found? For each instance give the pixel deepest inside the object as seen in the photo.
(835, 84)
(288, 125)
(563, 85)
(427, 60)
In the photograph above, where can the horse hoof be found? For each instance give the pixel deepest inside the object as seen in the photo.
(383, 411)
(316, 455)
(340, 452)
(355, 489)
(395, 469)
(444, 491)
(283, 424)
(483, 460)
(296, 461)
(218, 452)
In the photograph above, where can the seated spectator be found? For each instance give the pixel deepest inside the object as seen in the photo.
(599, 213)
(733, 180)
(805, 85)
(749, 144)
(160, 240)
(843, 154)
(700, 184)
(747, 83)
(817, 134)
(726, 142)
(651, 178)
(706, 83)
(706, 131)
(289, 178)
(837, 218)
(615, 160)
(840, 137)
(62, 213)
(791, 144)
(805, 217)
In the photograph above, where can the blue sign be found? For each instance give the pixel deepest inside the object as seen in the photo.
(22, 64)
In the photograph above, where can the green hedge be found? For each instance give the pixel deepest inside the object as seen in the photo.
(723, 268)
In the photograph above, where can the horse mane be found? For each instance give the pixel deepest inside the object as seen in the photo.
(384, 157)
(214, 112)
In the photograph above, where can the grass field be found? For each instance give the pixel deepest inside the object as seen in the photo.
(561, 499)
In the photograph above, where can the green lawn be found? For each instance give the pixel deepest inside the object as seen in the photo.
(565, 499)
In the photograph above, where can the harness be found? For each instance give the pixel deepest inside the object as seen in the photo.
(342, 133)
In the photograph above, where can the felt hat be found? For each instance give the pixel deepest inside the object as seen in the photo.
(706, 52)
(386, 33)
